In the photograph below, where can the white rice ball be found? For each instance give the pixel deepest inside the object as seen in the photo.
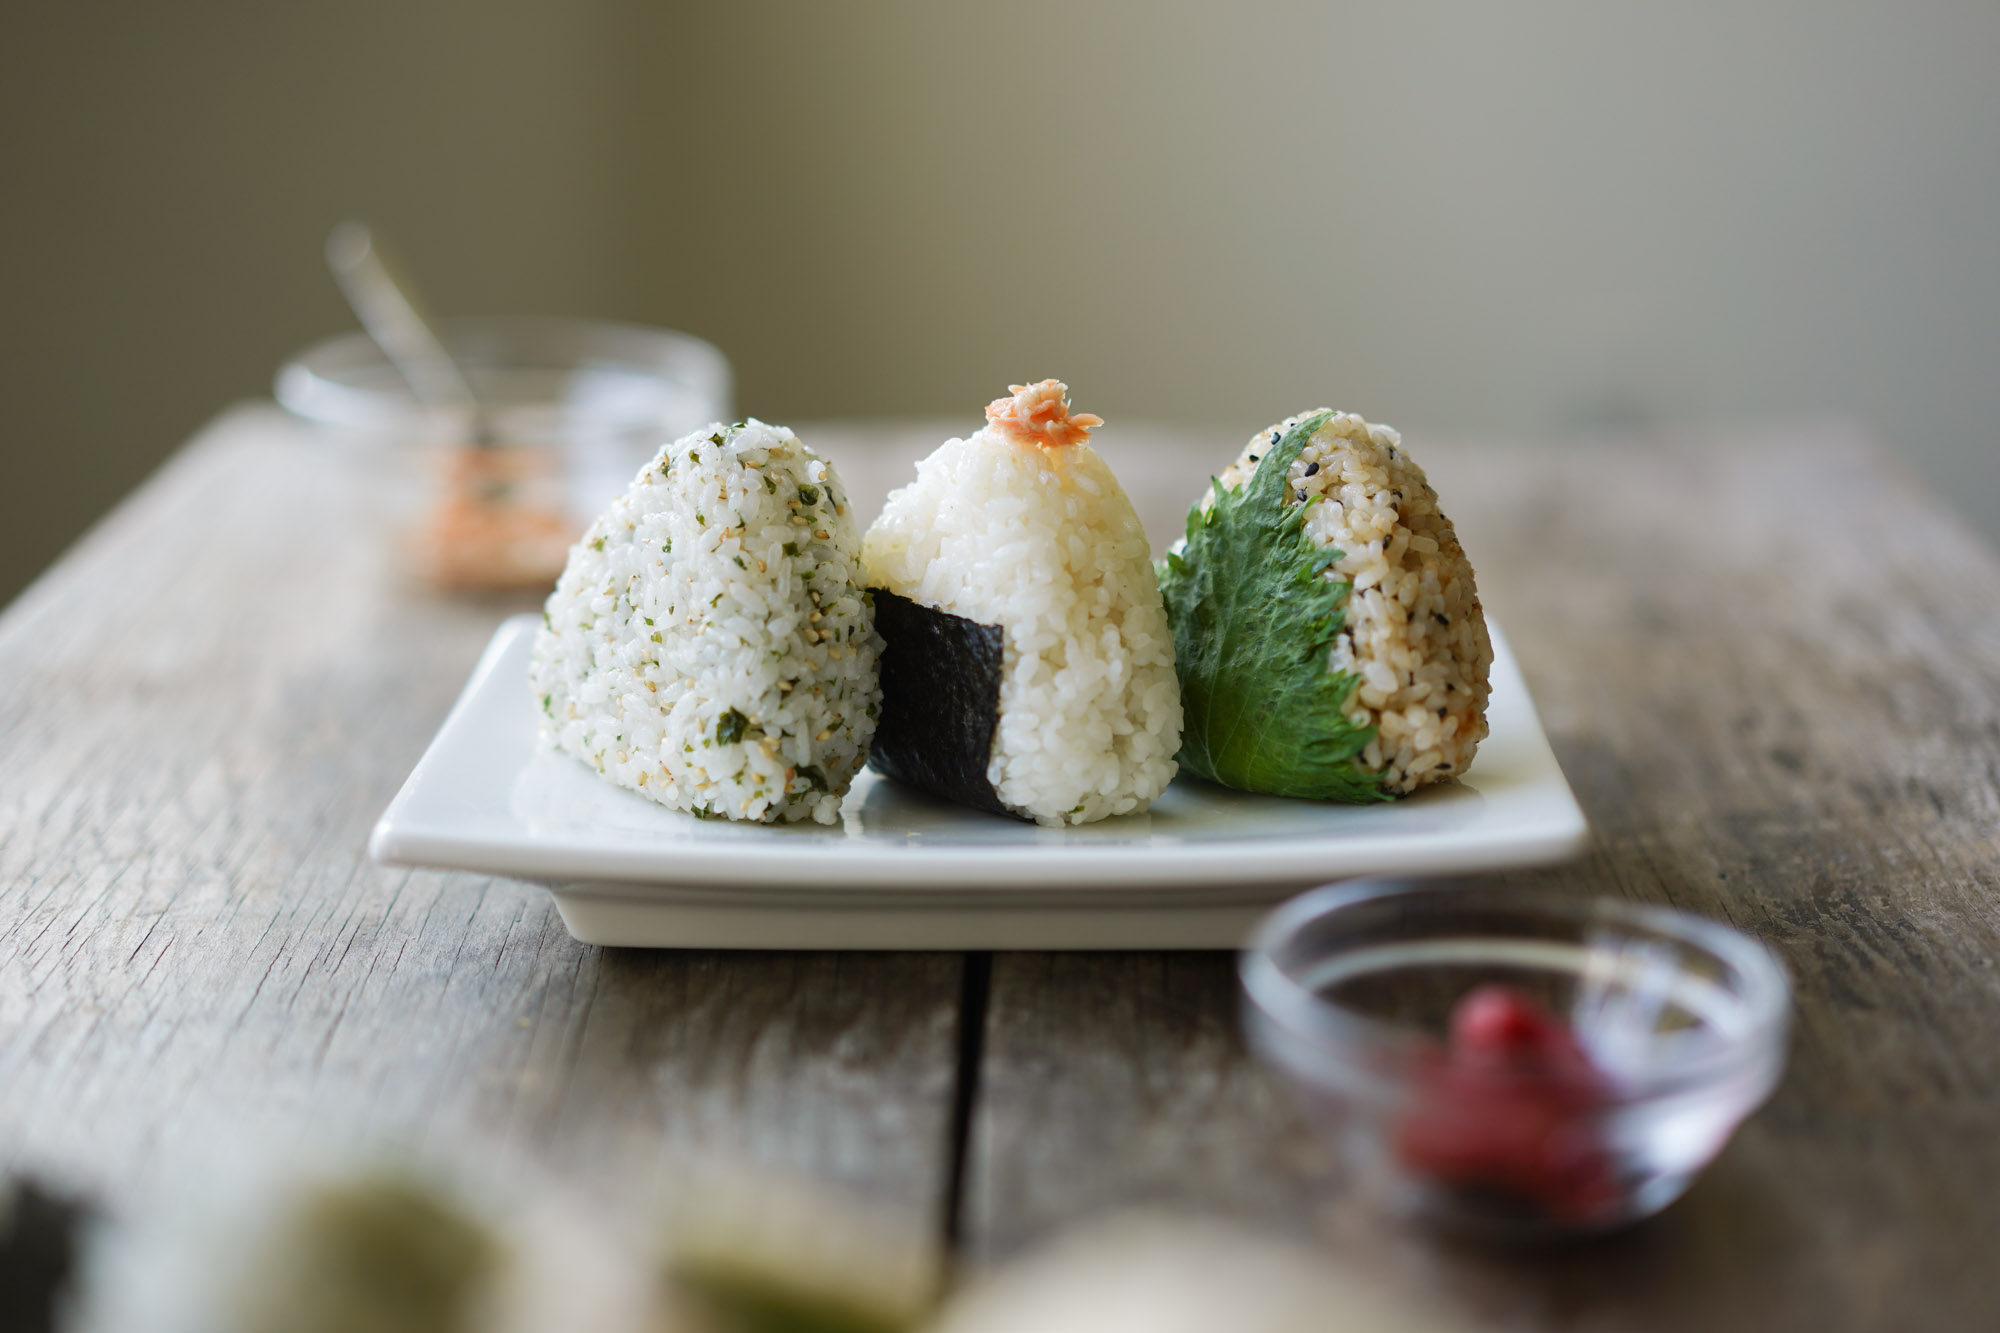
(1041, 541)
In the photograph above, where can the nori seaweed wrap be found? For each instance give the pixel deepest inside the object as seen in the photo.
(1020, 539)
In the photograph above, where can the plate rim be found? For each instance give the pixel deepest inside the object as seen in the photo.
(1111, 873)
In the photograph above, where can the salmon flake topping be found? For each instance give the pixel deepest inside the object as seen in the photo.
(1039, 414)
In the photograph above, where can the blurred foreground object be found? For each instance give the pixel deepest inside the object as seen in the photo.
(747, 1252)
(527, 425)
(1145, 1274)
(780, 1258)
(381, 1253)
(249, 1235)
(283, 1243)
(38, 1252)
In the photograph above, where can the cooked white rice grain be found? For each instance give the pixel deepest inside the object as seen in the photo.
(1415, 634)
(709, 645)
(1044, 543)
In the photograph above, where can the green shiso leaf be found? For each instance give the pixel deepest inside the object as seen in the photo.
(1254, 617)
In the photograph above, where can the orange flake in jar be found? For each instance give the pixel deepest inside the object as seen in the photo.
(492, 528)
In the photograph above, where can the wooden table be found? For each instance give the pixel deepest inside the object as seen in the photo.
(1770, 666)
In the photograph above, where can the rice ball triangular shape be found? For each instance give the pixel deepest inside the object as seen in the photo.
(709, 645)
(1327, 629)
(1028, 668)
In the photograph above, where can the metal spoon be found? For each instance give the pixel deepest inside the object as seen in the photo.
(389, 310)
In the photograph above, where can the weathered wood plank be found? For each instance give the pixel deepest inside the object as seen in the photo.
(1771, 669)
(204, 709)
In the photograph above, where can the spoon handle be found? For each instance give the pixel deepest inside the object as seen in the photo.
(389, 310)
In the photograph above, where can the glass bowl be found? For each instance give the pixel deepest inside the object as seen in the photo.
(1513, 1063)
(571, 408)
(545, 380)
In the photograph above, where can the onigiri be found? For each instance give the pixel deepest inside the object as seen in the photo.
(1327, 629)
(1028, 668)
(709, 644)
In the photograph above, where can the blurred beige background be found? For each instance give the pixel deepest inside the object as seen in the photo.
(1505, 220)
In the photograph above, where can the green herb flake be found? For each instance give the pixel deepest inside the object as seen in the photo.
(1254, 617)
(812, 777)
(729, 728)
(791, 548)
(597, 545)
(808, 494)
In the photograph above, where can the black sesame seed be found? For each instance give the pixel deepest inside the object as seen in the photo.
(1312, 469)
(1302, 497)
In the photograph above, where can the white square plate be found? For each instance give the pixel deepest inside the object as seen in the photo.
(905, 871)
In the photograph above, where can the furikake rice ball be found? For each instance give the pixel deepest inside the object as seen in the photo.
(709, 645)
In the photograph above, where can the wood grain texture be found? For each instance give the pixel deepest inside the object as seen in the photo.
(1770, 666)
(205, 707)
(1771, 669)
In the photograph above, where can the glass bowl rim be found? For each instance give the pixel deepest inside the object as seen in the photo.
(306, 387)
(1337, 1033)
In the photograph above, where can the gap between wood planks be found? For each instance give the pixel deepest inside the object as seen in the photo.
(974, 987)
